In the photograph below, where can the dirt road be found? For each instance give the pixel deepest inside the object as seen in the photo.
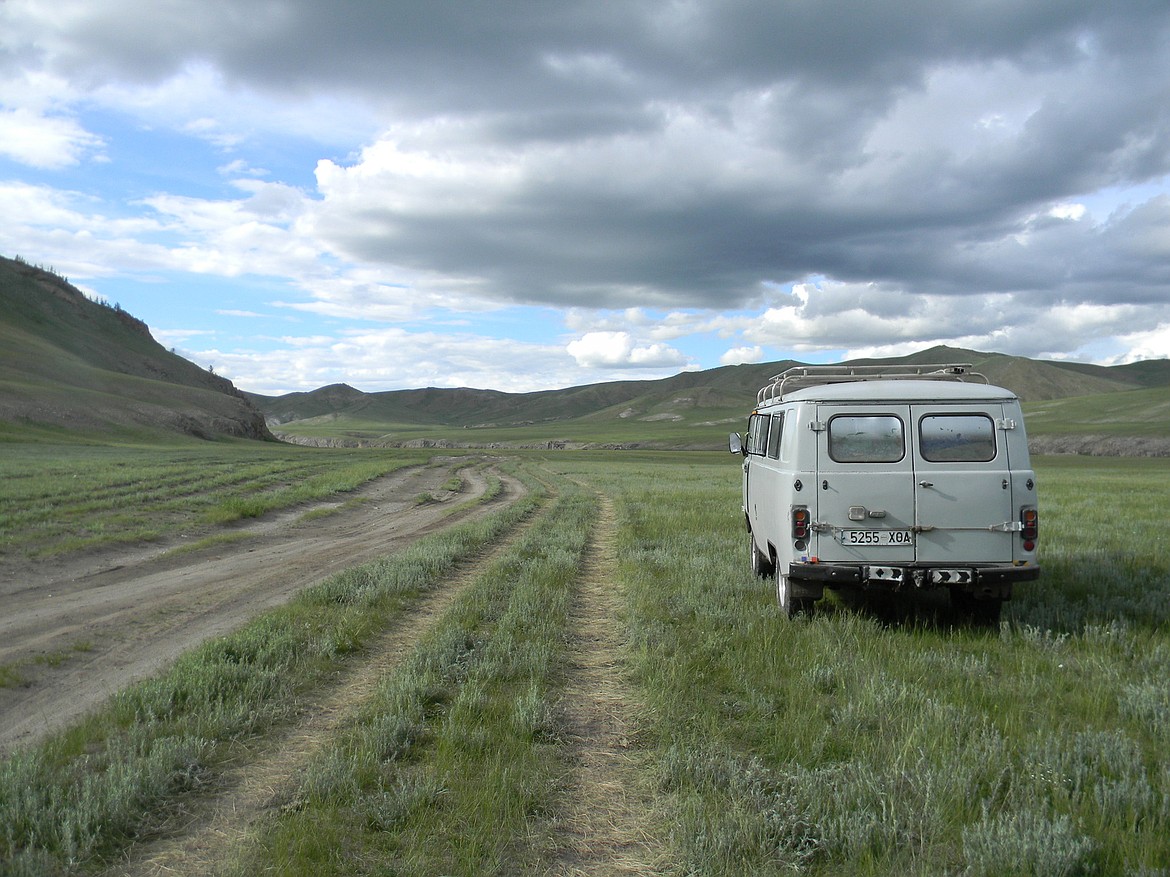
(602, 823)
(214, 829)
(77, 630)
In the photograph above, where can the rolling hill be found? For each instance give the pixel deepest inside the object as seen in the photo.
(696, 409)
(72, 367)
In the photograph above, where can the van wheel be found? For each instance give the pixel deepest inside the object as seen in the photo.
(761, 563)
(794, 598)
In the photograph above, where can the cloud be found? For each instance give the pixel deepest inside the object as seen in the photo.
(174, 338)
(785, 177)
(949, 190)
(46, 142)
(740, 355)
(392, 358)
(873, 321)
(607, 350)
(1147, 344)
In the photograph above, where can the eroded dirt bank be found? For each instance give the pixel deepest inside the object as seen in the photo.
(80, 629)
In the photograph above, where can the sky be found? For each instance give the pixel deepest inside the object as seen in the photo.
(533, 194)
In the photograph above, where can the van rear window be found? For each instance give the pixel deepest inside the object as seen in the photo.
(869, 438)
(956, 438)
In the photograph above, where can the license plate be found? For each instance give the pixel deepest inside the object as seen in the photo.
(877, 537)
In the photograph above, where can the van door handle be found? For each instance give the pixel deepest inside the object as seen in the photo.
(926, 484)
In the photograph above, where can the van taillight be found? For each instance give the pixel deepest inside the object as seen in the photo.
(801, 521)
(1029, 528)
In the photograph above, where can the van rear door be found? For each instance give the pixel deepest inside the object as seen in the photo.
(963, 482)
(864, 484)
(923, 483)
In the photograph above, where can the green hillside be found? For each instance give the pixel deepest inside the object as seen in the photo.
(695, 409)
(1130, 423)
(72, 367)
(75, 369)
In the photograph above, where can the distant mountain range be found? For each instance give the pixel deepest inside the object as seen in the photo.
(71, 365)
(719, 389)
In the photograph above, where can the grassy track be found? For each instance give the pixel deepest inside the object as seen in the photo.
(864, 740)
(451, 767)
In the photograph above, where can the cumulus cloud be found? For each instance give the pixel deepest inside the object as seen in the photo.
(1147, 344)
(46, 142)
(787, 178)
(741, 355)
(619, 350)
(876, 321)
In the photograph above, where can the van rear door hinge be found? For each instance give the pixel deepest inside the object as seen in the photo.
(1006, 423)
(817, 426)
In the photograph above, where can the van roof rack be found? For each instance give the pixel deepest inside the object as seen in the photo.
(804, 376)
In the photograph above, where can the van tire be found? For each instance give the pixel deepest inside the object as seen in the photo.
(793, 598)
(762, 564)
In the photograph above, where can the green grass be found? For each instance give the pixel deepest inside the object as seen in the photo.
(698, 428)
(906, 742)
(1139, 413)
(696, 411)
(61, 498)
(1128, 413)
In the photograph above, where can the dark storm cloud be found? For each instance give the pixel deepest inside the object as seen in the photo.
(681, 153)
(440, 57)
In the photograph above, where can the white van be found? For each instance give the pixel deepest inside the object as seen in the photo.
(865, 477)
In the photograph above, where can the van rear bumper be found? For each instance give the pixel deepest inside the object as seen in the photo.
(913, 575)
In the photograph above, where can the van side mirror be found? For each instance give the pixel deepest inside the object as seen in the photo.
(735, 443)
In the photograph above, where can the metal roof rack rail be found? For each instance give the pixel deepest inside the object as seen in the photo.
(804, 376)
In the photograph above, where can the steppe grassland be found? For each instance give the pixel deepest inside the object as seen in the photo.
(904, 742)
(453, 766)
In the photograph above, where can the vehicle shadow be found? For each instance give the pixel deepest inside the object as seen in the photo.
(1081, 591)
(930, 609)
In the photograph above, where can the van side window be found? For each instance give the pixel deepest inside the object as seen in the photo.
(956, 438)
(757, 441)
(866, 438)
(774, 432)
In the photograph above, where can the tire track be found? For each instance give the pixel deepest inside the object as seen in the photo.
(215, 831)
(605, 811)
